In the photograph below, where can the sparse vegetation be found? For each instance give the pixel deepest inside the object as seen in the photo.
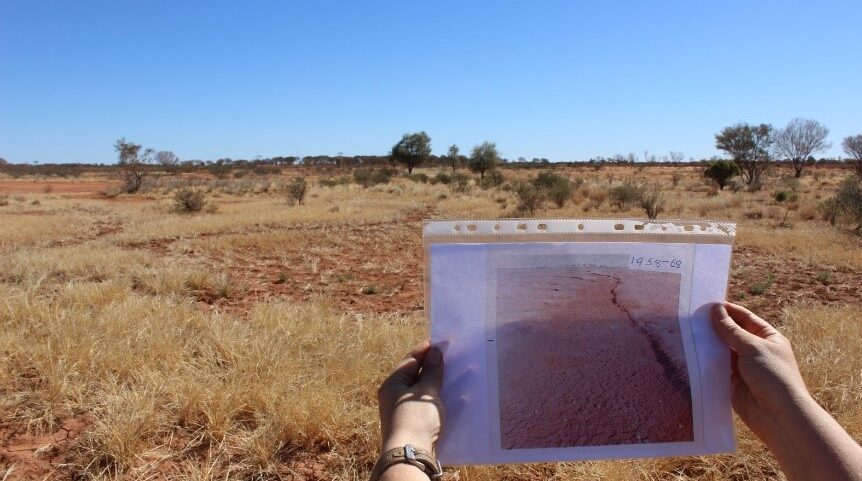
(721, 171)
(297, 190)
(189, 200)
(187, 317)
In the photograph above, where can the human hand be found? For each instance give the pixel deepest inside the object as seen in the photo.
(765, 380)
(411, 411)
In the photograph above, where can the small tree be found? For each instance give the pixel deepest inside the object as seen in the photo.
(676, 156)
(168, 160)
(799, 140)
(412, 150)
(452, 155)
(852, 146)
(721, 171)
(297, 189)
(484, 158)
(132, 162)
(749, 146)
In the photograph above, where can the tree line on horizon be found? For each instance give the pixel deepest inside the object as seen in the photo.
(751, 148)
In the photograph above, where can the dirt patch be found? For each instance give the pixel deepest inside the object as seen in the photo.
(27, 456)
(786, 280)
(80, 187)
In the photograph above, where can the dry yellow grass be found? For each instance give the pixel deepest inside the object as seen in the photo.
(97, 325)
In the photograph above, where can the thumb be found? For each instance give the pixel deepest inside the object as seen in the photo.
(432, 371)
(729, 331)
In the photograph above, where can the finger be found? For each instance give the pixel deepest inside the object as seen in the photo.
(432, 371)
(729, 331)
(407, 370)
(750, 321)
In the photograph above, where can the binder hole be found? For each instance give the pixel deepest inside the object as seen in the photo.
(689, 228)
(522, 226)
(497, 227)
(471, 227)
(542, 226)
(580, 226)
(639, 227)
(619, 226)
(457, 227)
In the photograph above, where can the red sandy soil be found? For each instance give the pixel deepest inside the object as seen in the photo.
(56, 186)
(27, 456)
(581, 363)
(344, 250)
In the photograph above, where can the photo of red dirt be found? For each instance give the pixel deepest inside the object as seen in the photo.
(590, 356)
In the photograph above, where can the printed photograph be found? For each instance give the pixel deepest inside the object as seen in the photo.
(590, 356)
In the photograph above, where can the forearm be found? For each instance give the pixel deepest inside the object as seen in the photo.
(810, 445)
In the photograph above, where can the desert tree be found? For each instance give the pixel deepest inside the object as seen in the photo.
(168, 160)
(132, 160)
(721, 171)
(452, 155)
(799, 140)
(676, 156)
(749, 147)
(412, 150)
(484, 157)
(852, 146)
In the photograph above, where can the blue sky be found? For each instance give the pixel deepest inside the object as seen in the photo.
(563, 80)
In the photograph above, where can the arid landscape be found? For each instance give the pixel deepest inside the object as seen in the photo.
(581, 364)
(246, 340)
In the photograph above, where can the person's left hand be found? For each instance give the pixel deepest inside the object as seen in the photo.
(411, 411)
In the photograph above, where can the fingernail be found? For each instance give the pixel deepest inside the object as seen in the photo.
(434, 356)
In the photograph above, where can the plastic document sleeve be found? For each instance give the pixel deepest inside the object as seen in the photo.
(579, 339)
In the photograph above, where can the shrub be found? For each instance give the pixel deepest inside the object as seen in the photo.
(721, 171)
(782, 196)
(4, 200)
(675, 178)
(460, 183)
(829, 210)
(556, 187)
(849, 202)
(266, 170)
(188, 200)
(651, 200)
(343, 180)
(494, 178)
(417, 177)
(370, 177)
(530, 197)
(624, 195)
(297, 189)
(442, 178)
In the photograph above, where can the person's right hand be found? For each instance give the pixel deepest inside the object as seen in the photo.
(765, 380)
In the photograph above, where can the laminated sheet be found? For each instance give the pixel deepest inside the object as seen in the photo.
(579, 339)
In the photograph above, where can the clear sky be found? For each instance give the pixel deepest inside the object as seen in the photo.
(564, 80)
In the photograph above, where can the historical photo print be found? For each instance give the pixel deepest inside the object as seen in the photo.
(590, 356)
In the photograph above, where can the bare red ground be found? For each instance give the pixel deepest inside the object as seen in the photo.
(578, 366)
(55, 186)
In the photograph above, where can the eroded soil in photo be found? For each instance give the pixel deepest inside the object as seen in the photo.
(590, 357)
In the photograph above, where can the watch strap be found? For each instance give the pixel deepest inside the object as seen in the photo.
(408, 454)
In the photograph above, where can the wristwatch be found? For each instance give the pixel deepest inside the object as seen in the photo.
(410, 455)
